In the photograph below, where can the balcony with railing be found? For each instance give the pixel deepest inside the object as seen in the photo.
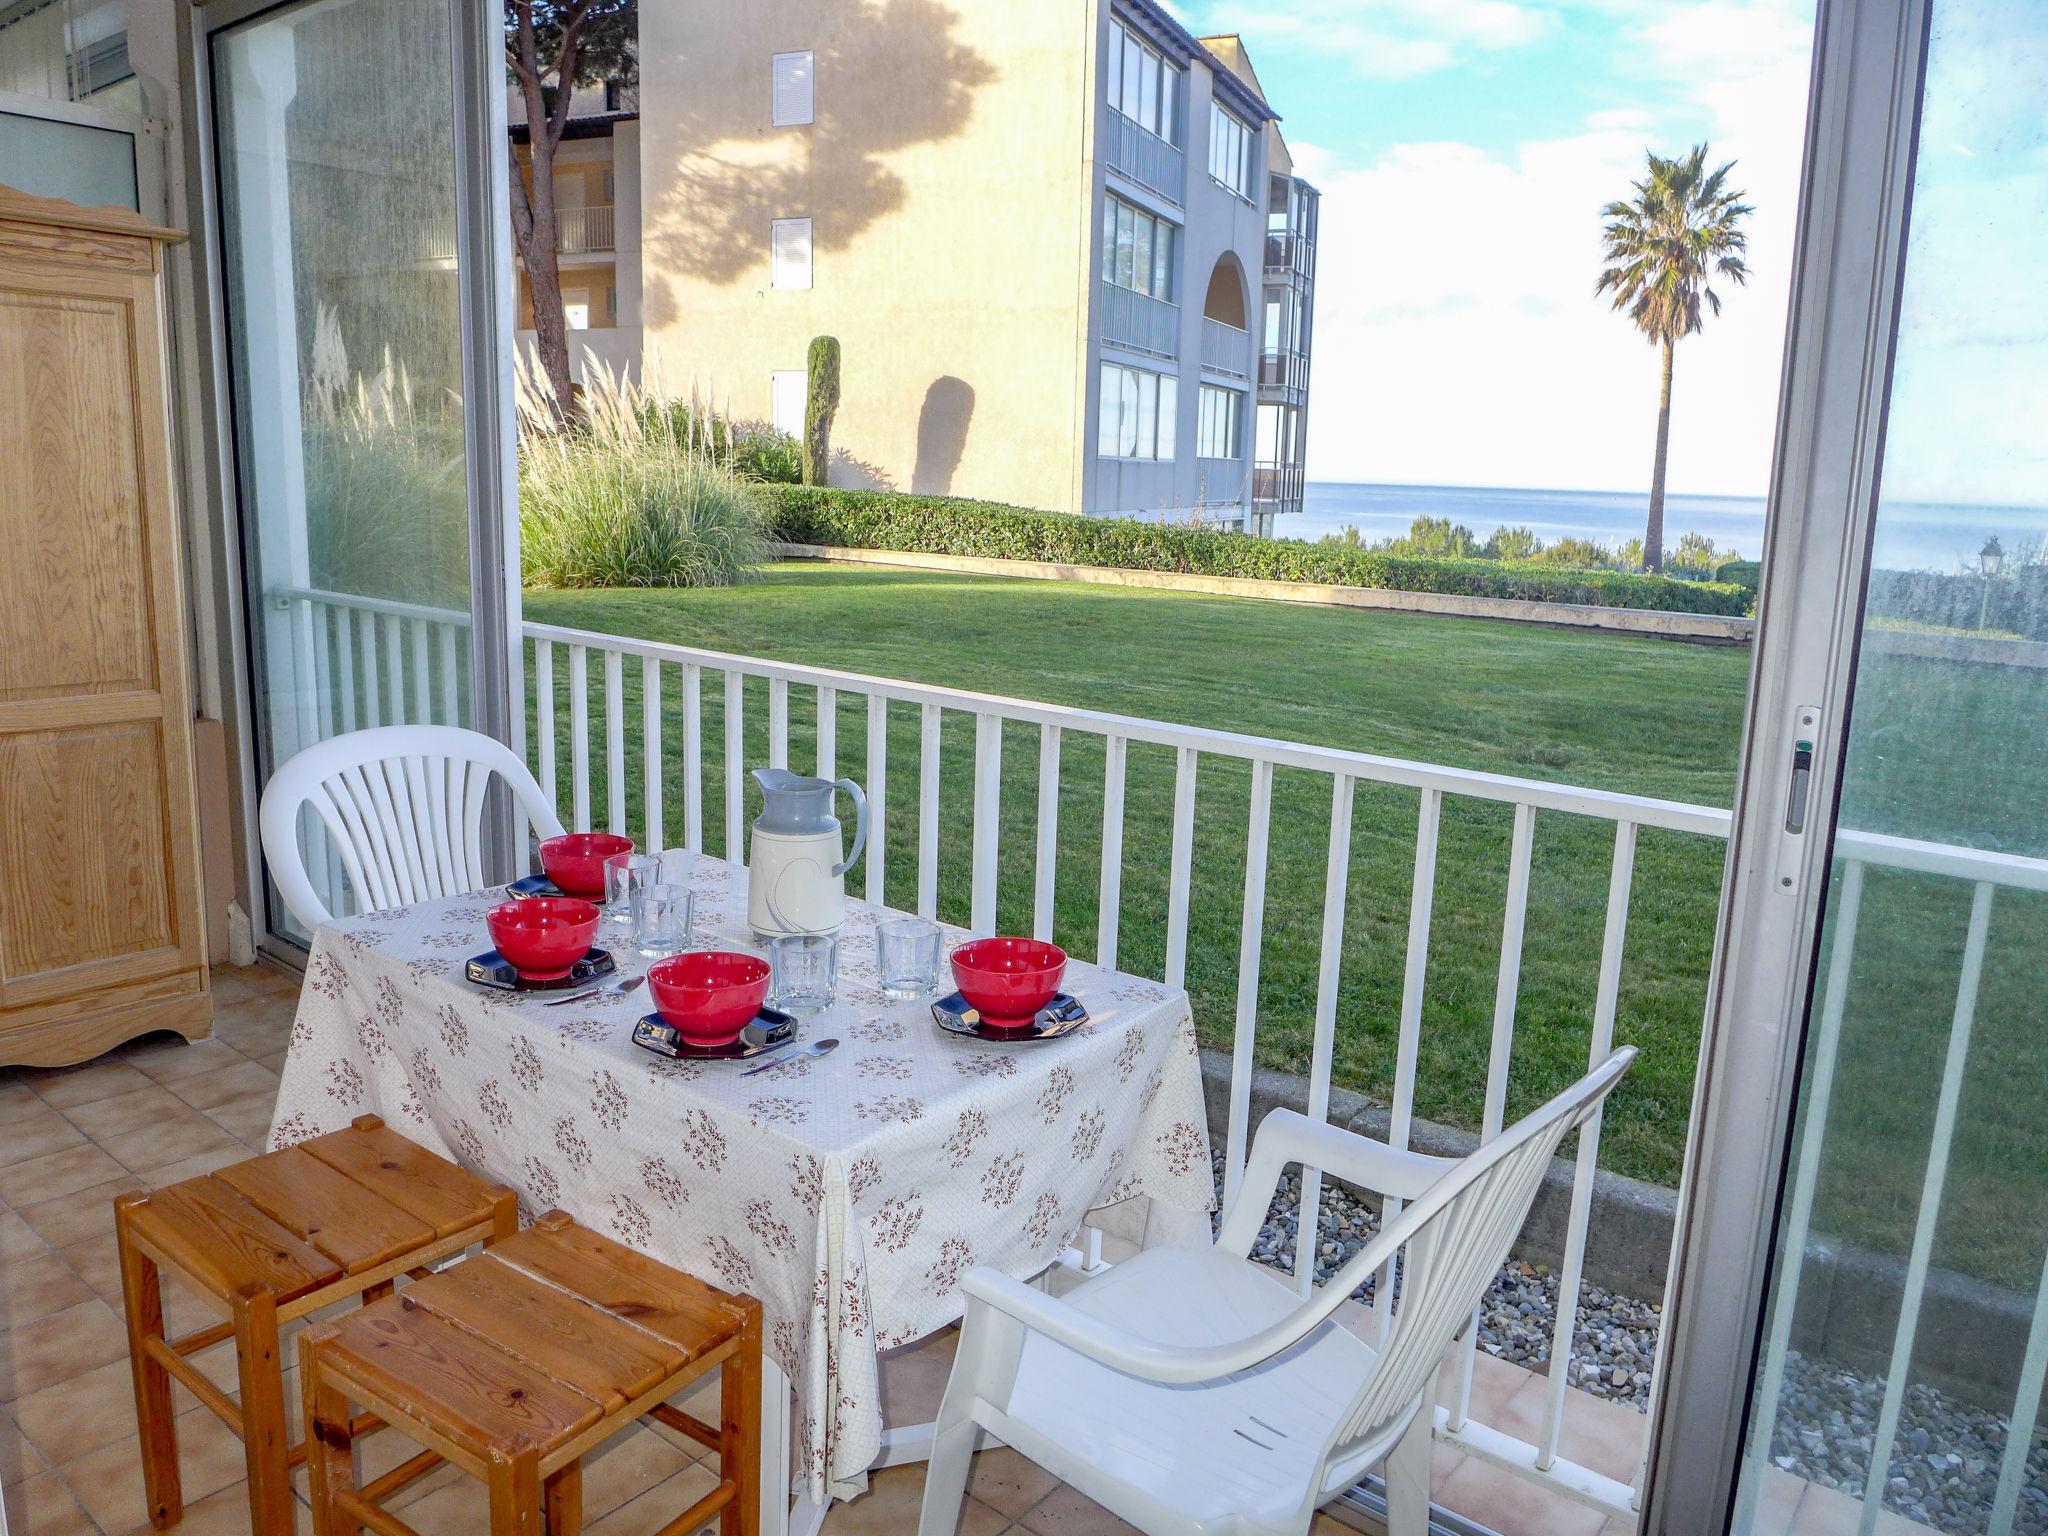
(1141, 155)
(1290, 253)
(1226, 348)
(584, 231)
(1283, 368)
(1139, 322)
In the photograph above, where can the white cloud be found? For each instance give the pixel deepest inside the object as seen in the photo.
(1458, 335)
(1392, 39)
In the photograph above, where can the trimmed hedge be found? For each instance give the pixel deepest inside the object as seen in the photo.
(952, 525)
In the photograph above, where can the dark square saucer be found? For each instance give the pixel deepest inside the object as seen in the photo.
(491, 969)
(770, 1028)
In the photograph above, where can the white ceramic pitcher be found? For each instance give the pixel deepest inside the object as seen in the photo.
(796, 877)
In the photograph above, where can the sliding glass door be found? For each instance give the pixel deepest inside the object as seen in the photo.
(340, 209)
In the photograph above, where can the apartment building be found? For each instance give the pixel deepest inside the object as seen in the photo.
(1062, 246)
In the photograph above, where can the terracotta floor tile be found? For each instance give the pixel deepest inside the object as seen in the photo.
(914, 1378)
(19, 1459)
(35, 1287)
(226, 1513)
(228, 987)
(275, 1060)
(18, 1240)
(84, 1213)
(1008, 1482)
(97, 1261)
(207, 1090)
(461, 1507)
(35, 1132)
(1508, 1503)
(78, 1416)
(1776, 1502)
(29, 1184)
(626, 1466)
(888, 1508)
(125, 1112)
(1065, 1512)
(58, 1347)
(657, 1506)
(228, 1151)
(101, 1079)
(109, 1480)
(168, 1142)
(43, 1506)
(166, 1059)
(247, 1119)
(255, 1028)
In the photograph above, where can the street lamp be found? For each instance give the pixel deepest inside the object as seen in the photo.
(1990, 560)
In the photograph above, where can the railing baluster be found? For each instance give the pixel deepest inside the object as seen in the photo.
(928, 813)
(1181, 867)
(1046, 866)
(544, 719)
(422, 674)
(651, 767)
(878, 794)
(579, 738)
(1620, 879)
(988, 818)
(323, 669)
(735, 767)
(615, 742)
(451, 684)
(345, 662)
(693, 757)
(1506, 989)
(1250, 947)
(1408, 1038)
(373, 705)
(828, 733)
(1936, 1177)
(778, 722)
(2026, 1412)
(1329, 970)
(394, 657)
(1110, 901)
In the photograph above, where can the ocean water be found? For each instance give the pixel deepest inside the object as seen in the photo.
(1911, 535)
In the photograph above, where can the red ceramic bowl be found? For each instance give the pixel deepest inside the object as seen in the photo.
(1008, 980)
(575, 861)
(708, 995)
(543, 936)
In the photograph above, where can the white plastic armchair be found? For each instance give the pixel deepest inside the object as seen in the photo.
(1198, 1394)
(404, 807)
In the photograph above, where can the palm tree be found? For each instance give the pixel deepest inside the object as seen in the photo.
(1663, 245)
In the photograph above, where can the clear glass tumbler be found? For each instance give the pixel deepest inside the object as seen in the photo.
(663, 916)
(805, 971)
(907, 951)
(624, 875)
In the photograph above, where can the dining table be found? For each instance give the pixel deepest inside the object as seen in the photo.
(848, 1191)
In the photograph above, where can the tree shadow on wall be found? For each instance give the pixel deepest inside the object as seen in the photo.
(894, 75)
(942, 434)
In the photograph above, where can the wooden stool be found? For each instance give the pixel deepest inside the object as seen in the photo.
(514, 1363)
(269, 1240)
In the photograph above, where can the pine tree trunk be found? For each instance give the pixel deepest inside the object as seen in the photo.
(1653, 532)
(537, 248)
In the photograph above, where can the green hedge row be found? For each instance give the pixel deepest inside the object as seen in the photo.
(951, 525)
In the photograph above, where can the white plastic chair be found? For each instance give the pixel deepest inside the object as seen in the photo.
(404, 805)
(1194, 1393)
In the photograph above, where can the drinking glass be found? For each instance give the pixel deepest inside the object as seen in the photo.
(804, 971)
(624, 875)
(663, 916)
(677, 865)
(907, 949)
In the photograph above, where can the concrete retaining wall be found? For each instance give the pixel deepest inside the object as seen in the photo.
(1712, 628)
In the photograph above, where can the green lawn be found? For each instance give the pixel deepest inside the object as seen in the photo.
(1637, 715)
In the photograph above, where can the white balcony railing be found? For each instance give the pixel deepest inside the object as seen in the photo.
(1146, 158)
(1226, 349)
(342, 684)
(1140, 322)
(581, 231)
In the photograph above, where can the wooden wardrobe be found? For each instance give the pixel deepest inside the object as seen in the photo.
(100, 906)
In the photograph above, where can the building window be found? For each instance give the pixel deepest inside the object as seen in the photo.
(791, 103)
(611, 187)
(786, 400)
(611, 302)
(1142, 85)
(789, 253)
(1137, 414)
(1138, 249)
(1218, 426)
(1233, 147)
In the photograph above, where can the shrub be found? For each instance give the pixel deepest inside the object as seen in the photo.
(1512, 544)
(753, 450)
(628, 498)
(946, 525)
(821, 404)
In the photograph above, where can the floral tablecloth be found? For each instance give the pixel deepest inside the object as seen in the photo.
(848, 1192)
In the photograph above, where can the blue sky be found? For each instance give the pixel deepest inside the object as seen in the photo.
(1464, 148)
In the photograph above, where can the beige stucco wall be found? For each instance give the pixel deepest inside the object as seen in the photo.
(946, 178)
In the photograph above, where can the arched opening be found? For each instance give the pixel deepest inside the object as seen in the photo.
(1227, 298)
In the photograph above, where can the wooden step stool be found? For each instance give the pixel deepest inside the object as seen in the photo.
(269, 1240)
(514, 1363)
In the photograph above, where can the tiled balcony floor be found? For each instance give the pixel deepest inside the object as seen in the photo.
(160, 1110)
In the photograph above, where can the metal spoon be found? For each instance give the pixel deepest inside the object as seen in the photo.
(607, 992)
(815, 1048)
